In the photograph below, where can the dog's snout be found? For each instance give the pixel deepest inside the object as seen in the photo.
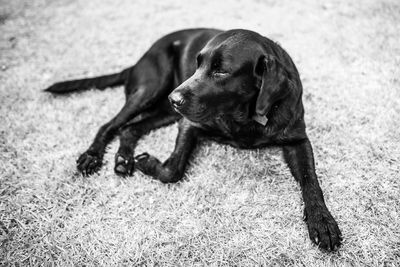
(176, 99)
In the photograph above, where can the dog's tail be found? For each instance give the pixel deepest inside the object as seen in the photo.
(100, 83)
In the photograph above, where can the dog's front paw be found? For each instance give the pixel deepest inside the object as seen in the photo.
(124, 166)
(323, 228)
(89, 163)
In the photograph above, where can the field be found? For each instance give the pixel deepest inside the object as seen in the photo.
(235, 207)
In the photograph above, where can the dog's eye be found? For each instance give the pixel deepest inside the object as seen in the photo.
(220, 73)
(217, 70)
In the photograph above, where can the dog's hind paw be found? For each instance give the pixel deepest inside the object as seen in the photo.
(124, 166)
(89, 163)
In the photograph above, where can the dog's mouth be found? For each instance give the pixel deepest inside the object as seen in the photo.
(197, 115)
(175, 107)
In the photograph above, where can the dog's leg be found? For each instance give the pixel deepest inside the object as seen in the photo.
(90, 161)
(146, 83)
(173, 168)
(322, 227)
(124, 162)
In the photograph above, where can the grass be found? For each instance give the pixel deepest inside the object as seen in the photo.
(236, 207)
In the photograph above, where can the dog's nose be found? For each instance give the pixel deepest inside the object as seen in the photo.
(176, 99)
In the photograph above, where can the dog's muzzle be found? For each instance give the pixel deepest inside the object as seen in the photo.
(176, 100)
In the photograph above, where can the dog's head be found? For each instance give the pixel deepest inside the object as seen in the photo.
(234, 76)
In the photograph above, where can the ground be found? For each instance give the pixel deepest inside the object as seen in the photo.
(235, 207)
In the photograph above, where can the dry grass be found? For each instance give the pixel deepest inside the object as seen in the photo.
(236, 207)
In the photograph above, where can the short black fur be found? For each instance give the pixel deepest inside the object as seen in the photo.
(243, 90)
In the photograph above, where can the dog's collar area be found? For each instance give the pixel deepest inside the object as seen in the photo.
(263, 119)
(260, 119)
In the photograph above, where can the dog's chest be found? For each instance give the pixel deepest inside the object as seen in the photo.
(242, 135)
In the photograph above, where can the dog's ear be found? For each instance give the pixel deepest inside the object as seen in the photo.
(275, 83)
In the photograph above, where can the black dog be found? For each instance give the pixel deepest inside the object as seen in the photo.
(236, 87)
